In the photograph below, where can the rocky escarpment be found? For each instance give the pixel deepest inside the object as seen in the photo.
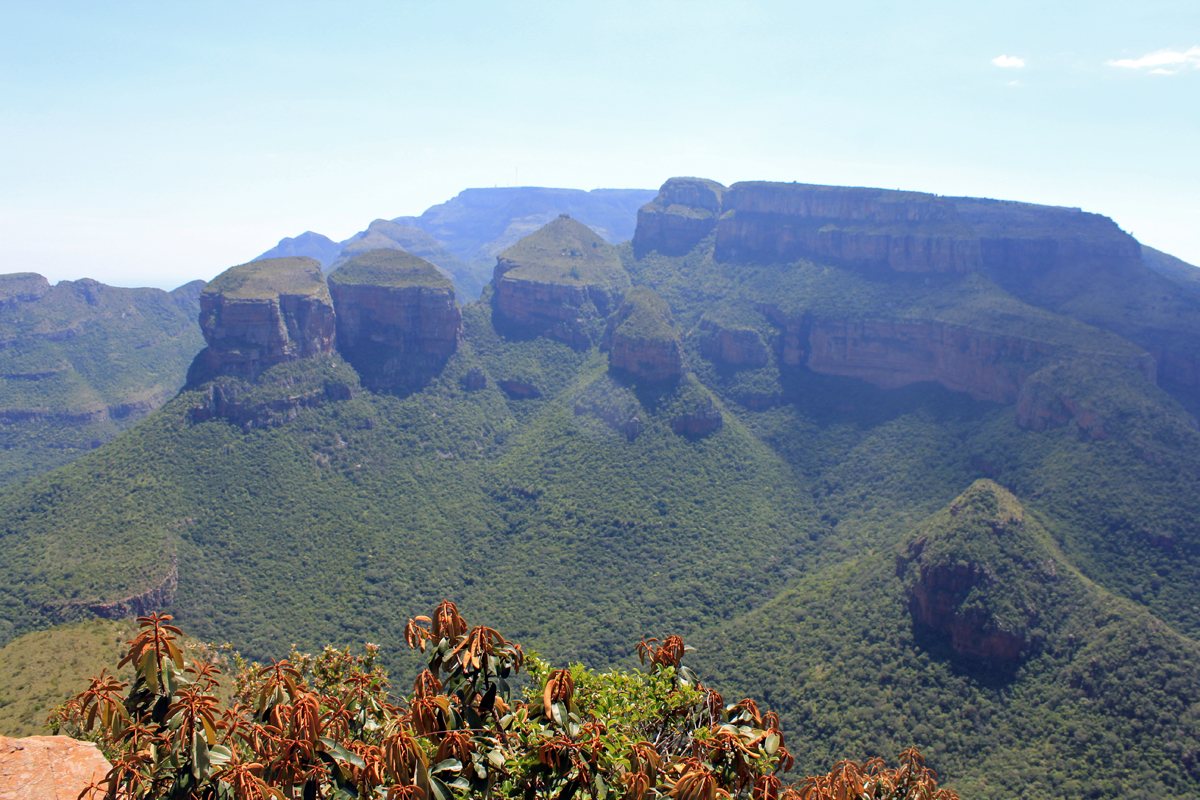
(397, 317)
(559, 282)
(979, 578)
(684, 212)
(732, 345)
(900, 231)
(22, 287)
(264, 313)
(1003, 368)
(642, 339)
(144, 603)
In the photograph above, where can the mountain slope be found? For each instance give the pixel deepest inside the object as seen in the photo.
(846, 368)
(81, 361)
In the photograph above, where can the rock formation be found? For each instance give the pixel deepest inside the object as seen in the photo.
(22, 287)
(732, 345)
(704, 420)
(49, 768)
(979, 577)
(397, 318)
(642, 339)
(264, 313)
(559, 282)
(145, 603)
(683, 213)
(900, 231)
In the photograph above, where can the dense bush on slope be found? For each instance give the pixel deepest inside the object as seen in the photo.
(326, 727)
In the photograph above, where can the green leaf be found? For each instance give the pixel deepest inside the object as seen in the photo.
(450, 764)
(771, 744)
(496, 758)
(339, 752)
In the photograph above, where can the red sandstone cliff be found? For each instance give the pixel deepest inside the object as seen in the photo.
(396, 315)
(560, 282)
(267, 312)
(642, 338)
(685, 211)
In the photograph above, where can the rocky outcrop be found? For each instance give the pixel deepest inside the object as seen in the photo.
(264, 313)
(559, 282)
(642, 339)
(281, 400)
(979, 577)
(733, 346)
(684, 212)
(520, 390)
(900, 231)
(22, 287)
(49, 768)
(700, 422)
(397, 317)
(145, 603)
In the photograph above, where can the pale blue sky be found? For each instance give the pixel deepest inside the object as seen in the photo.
(151, 144)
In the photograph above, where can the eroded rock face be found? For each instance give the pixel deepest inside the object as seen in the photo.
(144, 604)
(901, 231)
(701, 422)
(264, 313)
(559, 282)
(49, 768)
(685, 211)
(22, 287)
(936, 601)
(642, 338)
(738, 347)
(396, 316)
(895, 353)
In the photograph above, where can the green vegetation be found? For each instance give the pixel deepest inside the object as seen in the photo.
(82, 361)
(565, 251)
(310, 511)
(261, 280)
(41, 670)
(391, 268)
(324, 726)
(645, 316)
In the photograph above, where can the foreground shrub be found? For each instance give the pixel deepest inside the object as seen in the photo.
(326, 726)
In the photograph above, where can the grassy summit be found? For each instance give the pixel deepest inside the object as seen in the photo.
(270, 277)
(391, 268)
(646, 316)
(564, 251)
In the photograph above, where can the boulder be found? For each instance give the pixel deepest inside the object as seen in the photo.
(49, 768)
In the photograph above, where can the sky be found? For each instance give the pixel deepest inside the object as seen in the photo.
(149, 144)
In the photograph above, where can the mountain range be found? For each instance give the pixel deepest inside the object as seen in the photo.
(910, 469)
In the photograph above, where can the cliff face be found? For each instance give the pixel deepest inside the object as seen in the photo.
(895, 353)
(267, 312)
(396, 316)
(642, 338)
(902, 231)
(683, 213)
(738, 347)
(559, 282)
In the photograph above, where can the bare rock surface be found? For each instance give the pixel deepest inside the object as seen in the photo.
(48, 768)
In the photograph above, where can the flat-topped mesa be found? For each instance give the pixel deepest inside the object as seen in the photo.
(559, 282)
(642, 338)
(1022, 244)
(685, 211)
(397, 317)
(901, 231)
(264, 313)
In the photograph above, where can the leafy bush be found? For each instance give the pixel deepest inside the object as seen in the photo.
(326, 727)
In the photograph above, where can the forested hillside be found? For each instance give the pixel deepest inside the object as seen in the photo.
(814, 430)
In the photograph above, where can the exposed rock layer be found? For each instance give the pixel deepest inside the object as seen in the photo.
(683, 213)
(263, 313)
(396, 316)
(642, 339)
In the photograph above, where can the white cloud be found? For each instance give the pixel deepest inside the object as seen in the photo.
(1008, 61)
(1166, 62)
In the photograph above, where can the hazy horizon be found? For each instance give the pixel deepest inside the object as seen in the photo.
(156, 145)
